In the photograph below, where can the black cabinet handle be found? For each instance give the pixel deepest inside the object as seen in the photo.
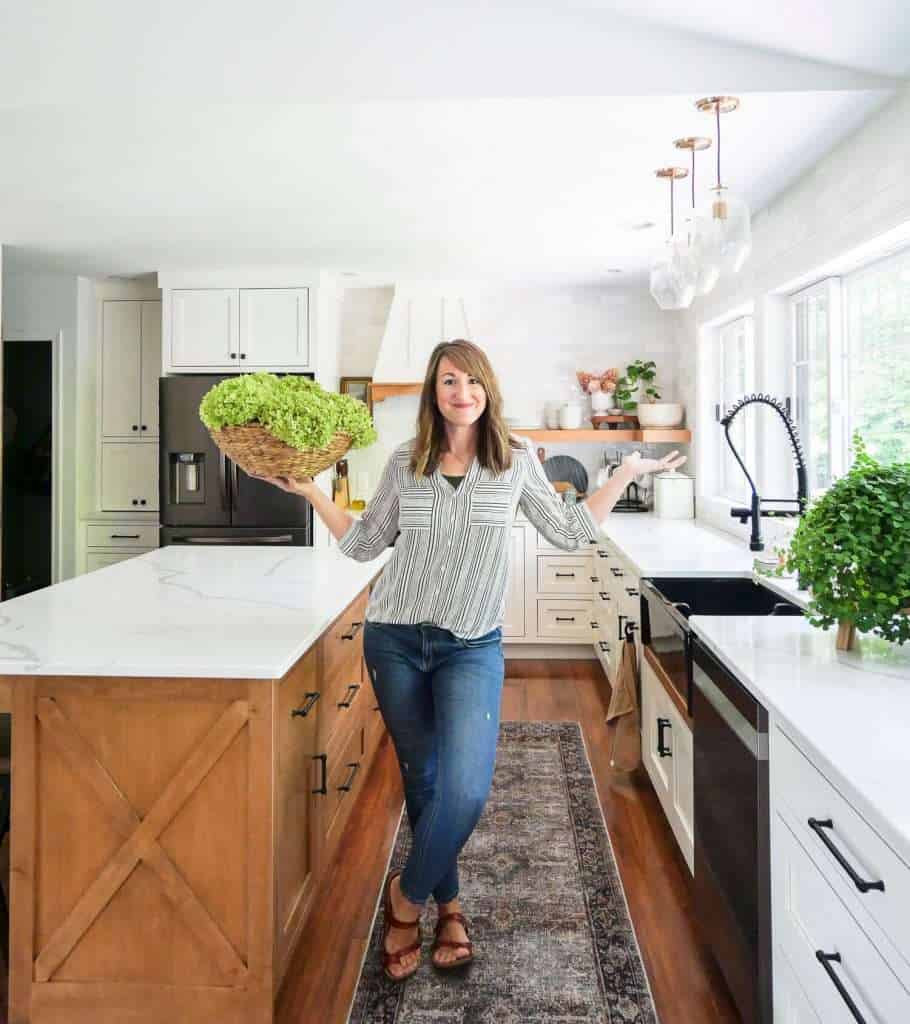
(632, 592)
(615, 571)
(604, 646)
(135, 426)
(233, 355)
(354, 766)
(818, 825)
(124, 536)
(593, 625)
(564, 618)
(323, 789)
(595, 579)
(142, 501)
(307, 705)
(243, 355)
(601, 553)
(558, 574)
(144, 427)
(349, 696)
(826, 959)
(619, 634)
(135, 501)
(355, 629)
(662, 749)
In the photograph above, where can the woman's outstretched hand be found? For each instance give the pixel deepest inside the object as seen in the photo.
(641, 467)
(295, 485)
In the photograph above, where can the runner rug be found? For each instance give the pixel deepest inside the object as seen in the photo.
(547, 912)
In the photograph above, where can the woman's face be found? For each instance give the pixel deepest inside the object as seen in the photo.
(460, 397)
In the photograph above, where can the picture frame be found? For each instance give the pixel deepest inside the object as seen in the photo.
(358, 387)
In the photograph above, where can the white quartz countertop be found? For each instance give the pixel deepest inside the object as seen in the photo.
(213, 612)
(850, 711)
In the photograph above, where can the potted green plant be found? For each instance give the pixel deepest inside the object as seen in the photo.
(852, 549)
(283, 426)
(651, 412)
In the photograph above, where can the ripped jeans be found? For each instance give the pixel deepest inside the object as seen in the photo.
(439, 696)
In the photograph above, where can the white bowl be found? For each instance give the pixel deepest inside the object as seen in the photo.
(660, 415)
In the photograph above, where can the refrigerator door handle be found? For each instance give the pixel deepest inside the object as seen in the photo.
(235, 485)
(222, 474)
(278, 538)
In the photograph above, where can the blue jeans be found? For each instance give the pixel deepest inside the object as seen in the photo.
(439, 696)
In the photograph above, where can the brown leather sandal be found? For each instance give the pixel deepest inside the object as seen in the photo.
(389, 922)
(438, 943)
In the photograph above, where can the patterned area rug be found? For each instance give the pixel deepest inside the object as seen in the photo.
(552, 936)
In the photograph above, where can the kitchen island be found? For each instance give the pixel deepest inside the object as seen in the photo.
(190, 731)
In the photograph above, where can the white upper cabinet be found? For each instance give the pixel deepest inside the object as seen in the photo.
(235, 329)
(130, 367)
(274, 327)
(205, 328)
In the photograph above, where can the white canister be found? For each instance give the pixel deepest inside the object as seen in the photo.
(674, 495)
(570, 416)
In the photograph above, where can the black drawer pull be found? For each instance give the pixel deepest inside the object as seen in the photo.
(604, 646)
(826, 959)
(564, 618)
(571, 574)
(354, 766)
(124, 536)
(323, 790)
(817, 825)
(349, 696)
(615, 571)
(355, 629)
(662, 749)
(307, 705)
(602, 554)
(595, 579)
(603, 595)
(631, 591)
(593, 625)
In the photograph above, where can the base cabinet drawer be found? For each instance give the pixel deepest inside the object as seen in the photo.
(121, 535)
(563, 574)
(565, 619)
(100, 559)
(832, 957)
(790, 1003)
(344, 774)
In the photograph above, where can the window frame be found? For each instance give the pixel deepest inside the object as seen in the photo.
(725, 462)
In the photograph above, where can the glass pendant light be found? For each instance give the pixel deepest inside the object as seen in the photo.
(698, 228)
(730, 240)
(673, 272)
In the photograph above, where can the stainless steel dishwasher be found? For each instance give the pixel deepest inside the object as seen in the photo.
(732, 851)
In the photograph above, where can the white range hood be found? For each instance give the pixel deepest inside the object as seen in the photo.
(419, 318)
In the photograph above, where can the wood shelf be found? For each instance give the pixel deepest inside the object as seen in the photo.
(679, 436)
(380, 392)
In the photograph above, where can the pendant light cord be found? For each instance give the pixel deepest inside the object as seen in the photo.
(717, 112)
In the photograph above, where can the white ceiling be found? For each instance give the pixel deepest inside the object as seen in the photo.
(515, 140)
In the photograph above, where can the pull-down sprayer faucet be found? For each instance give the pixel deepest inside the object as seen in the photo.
(755, 512)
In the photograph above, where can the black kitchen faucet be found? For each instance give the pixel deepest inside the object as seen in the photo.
(755, 512)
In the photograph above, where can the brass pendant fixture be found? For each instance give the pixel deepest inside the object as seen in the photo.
(698, 229)
(673, 272)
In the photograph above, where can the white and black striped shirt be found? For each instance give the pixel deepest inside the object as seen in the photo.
(450, 565)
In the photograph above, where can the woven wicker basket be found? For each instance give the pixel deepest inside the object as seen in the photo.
(260, 453)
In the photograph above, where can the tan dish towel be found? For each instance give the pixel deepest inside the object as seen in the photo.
(625, 750)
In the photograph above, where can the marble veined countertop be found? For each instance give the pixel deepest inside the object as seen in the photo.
(850, 711)
(207, 612)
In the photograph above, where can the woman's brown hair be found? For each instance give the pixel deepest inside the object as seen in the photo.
(494, 444)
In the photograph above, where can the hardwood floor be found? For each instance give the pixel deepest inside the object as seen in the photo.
(687, 986)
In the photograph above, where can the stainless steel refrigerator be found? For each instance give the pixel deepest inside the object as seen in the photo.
(205, 497)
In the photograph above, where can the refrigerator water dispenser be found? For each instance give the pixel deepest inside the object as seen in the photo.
(188, 478)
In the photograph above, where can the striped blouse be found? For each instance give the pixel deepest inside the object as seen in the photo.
(450, 566)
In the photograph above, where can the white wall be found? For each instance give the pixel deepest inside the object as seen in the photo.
(535, 338)
(856, 193)
(41, 306)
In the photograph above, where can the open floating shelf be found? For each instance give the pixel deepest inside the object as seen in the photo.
(380, 392)
(679, 436)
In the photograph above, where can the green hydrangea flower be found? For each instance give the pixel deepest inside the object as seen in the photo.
(295, 409)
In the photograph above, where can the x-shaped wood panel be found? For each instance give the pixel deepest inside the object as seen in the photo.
(141, 839)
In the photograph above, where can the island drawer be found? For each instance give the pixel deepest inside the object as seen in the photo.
(345, 769)
(120, 535)
(564, 574)
(566, 619)
(803, 795)
(829, 952)
(342, 701)
(342, 642)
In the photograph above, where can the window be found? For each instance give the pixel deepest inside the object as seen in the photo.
(851, 367)
(735, 365)
(878, 353)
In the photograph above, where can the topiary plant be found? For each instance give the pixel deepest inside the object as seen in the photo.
(852, 549)
(294, 409)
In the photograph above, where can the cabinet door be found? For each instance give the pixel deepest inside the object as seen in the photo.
(99, 559)
(204, 327)
(683, 783)
(513, 623)
(656, 738)
(150, 367)
(129, 477)
(120, 370)
(274, 327)
(298, 713)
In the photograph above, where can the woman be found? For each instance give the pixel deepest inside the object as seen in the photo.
(432, 637)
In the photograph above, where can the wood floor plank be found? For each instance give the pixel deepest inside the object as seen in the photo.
(687, 985)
